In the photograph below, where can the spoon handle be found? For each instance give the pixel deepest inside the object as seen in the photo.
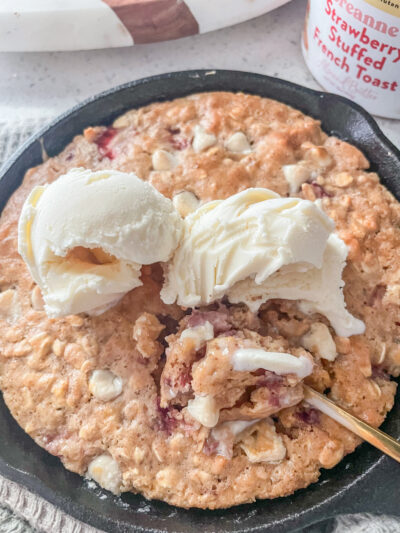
(376, 437)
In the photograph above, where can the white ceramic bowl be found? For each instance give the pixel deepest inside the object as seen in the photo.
(55, 25)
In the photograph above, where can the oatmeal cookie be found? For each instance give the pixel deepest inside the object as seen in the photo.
(109, 395)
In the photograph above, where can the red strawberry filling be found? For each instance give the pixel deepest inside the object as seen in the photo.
(219, 320)
(176, 140)
(103, 142)
(308, 416)
(319, 191)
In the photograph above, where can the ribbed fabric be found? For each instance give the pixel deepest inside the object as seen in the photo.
(12, 135)
(366, 523)
(30, 512)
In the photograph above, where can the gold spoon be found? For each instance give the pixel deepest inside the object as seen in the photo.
(376, 437)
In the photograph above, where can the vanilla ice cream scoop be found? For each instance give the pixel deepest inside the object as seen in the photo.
(255, 246)
(85, 236)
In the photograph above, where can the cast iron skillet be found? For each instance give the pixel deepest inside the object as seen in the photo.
(363, 481)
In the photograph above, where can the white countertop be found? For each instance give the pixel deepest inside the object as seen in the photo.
(45, 84)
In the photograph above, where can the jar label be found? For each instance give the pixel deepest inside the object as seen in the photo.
(353, 48)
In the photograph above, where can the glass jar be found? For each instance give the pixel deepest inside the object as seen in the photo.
(352, 48)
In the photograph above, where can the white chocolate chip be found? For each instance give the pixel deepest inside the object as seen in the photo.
(204, 410)
(250, 359)
(319, 156)
(200, 334)
(104, 385)
(185, 202)
(296, 175)
(9, 306)
(238, 426)
(317, 160)
(202, 139)
(163, 160)
(319, 341)
(261, 443)
(105, 471)
(225, 431)
(238, 142)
